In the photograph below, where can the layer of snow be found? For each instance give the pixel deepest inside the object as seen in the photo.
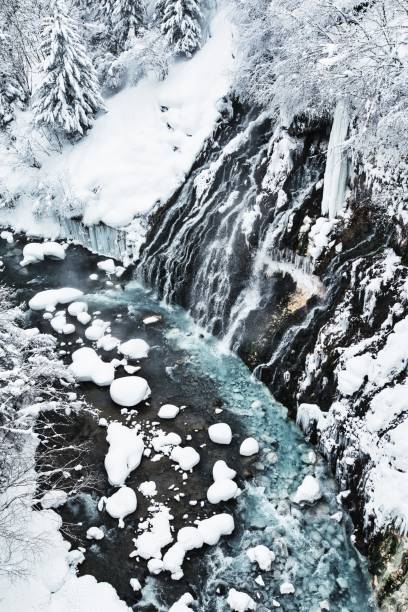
(87, 366)
(125, 453)
(213, 528)
(309, 491)
(262, 556)
(36, 251)
(168, 411)
(249, 447)
(52, 297)
(129, 391)
(186, 456)
(122, 503)
(134, 349)
(222, 490)
(240, 601)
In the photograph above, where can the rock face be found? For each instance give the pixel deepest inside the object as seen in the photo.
(315, 306)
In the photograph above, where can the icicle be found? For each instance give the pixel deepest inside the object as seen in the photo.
(335, 176)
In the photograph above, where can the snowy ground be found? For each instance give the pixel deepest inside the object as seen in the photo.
(137, 153)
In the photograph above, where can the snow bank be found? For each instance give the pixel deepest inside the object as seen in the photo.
(129, 391)
(52, 297)
(87, 366)
(139, 152)
(125, 453)
(134, 349)
(36, 251)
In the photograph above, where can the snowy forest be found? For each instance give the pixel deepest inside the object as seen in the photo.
(203, 305)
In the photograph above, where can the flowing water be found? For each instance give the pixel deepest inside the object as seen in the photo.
(186, 367)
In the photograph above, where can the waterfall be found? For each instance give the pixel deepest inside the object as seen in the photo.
(220, 247)
(335, 176)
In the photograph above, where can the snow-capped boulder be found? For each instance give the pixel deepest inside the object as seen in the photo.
(308, 492)
(168, 411)
(122, 503)
(87, 366)
(52, 297)
(221, 471)
(125, 453)
(211, 529)
(183, 604)
(249, 447)
(222, 490)
(95, 533)
(53, 499)
(240, 601)
(261, 555)
(35, 252)
(220, 433)
(186, 456)
(129, 390)
(136, 348)
(190, 538)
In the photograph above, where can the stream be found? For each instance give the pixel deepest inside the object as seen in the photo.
(186, 367)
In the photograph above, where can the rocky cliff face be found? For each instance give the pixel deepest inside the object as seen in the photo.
(315, 306)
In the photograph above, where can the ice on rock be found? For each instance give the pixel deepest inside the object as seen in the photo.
(36, 251)
(136, 348)
(249, 447)
(107, 265)
(53, 499)
(168, 411)
(220, 433)
(129, 390)
(186, 456)
(125, 453)
(221, 471)
(75, 308)
(183, 604)
(122, 503)
(190, 538)
(95, 533)
(87, 366)
(262, 556)
(222, 490)
(286, 588)
(309, 491)
(51, 297)
(96, 330)
(173, 560)
(211, 529)
(150, 543)
(107, 343)
(240, 601)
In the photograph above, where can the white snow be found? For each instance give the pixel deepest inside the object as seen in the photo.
(211, 529)
(35, 252)
(53, 499)
(122, 503)
(249, 447)
(134, 349)
(129, 390)
(95, 533)
(222, 490)
(150, 543)
(135, 584)
(286, 588)
(162, 442)
(335, 176)
(87, 366)
(186, 456)
(125, 453)
(240, 601)
(107, 343)
(309, 491)
(76, 307)
(220, 433)
(96, 330)
(173, 560)
(168, 411)
(151, 320)
(84, 318)
(262, 556)
(190, 538)
(107, 265)
(221, 471)
(52, 297)
(148, 488)
(183, 604)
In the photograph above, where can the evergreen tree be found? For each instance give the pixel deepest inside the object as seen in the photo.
(68, 96)
(128, 17)
(181, 25)
(13, 85)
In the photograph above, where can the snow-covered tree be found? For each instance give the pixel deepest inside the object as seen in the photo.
(181, 25)
(68, 96)
(128, 17)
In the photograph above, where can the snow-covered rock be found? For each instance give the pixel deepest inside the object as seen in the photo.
(136, 348)
(221, 471)
(135, 585)
(262, 556)
(75, 308)
(87, 366)
(107, 343)
(95, 533)
(186, 456)
(122, 503)
(35, 252)
(148, 488)
(190, 538)
(309, 491)
(249, 447)
(173, 560)
(211, 529)
(52, 297)
(129, 390)
(183, 604)
(220, 433)
(96, 330)
(125, 453)
(286, 588)
(53, 499)
(168, 411)
(150, 543)
(240, 601)
(222, 490)
(107, 265)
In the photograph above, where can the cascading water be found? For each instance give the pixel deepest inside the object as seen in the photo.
(220, 248)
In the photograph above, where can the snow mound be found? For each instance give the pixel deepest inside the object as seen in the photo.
(190, 538)
(122, 503)
(52, 297)
(95, 533)
(75, 308)
(240, 601)
(36, 251)
(220, 433)
(222, 490)
(96, 330)
(53, 499)
(249, 447)
(186, 456)
(221, 471)
(183, 604)
(87, 366)
(150, 543)
(134, 349)
(213, 528)
(168, 411)
(125, 453)
(129, 390)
